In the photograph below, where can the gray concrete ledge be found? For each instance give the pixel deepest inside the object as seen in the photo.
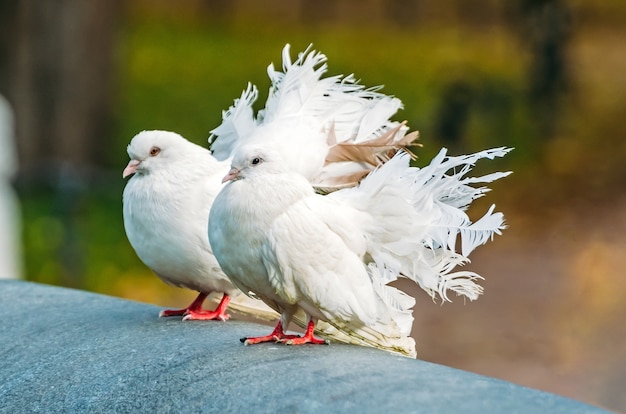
(64, 350)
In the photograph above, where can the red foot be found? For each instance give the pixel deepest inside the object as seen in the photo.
(308, 337)
(195, 306)
(206, 316)
(194, 312)
(203, 315)
(277, 335)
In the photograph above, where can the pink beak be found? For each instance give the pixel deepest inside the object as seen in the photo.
(233, 174)
(131, 168)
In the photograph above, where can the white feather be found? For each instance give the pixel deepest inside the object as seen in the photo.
(418, 215)
(306, 115)
(237, 122)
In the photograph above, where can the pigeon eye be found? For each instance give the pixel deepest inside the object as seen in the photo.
(154, 151)
(256, 160)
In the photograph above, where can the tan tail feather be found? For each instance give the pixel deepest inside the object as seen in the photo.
(370, 154)
(375, 151)
(343, 181)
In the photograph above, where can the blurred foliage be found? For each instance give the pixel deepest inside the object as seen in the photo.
(180, 75)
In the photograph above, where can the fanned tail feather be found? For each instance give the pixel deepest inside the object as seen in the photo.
(351, 122)
(423, 211)
(452, 194)
(368, 336)
(237, 122)
(361, 336)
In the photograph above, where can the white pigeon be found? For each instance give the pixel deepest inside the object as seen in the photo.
(338, 130)
(164, 206)
(332, 257)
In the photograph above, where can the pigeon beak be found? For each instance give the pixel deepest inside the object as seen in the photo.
(131, 168)
(233, 174)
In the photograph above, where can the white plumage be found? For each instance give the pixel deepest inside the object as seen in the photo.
(165, 206)
(333, 256)
(323, 124)
(333, 131)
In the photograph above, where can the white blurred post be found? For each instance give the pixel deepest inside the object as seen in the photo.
(10, 228)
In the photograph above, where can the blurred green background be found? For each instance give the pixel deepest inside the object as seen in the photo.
(547, 77)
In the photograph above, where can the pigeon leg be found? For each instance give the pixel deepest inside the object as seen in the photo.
(205, 315)
(195, 306)
(308, 337)
(277, 335)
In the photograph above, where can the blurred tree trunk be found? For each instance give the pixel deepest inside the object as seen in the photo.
(56, 69)
(8, 27)
(545, 29)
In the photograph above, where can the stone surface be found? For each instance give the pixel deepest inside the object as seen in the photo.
(64, 350)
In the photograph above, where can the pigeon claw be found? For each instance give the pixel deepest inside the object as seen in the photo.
(307, 339)
(258, 339)
(277, 335)
(196, 306)
(205, 316)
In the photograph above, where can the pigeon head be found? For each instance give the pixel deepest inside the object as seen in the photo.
(254, 160)
(150, 149)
